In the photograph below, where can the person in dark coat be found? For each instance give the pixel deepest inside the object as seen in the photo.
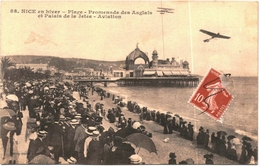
(232, 153)
(153, 115)
(70, 144)
(163, 119)
(190, 131)
(158, 117)
(31, 105)
(249, 151)
(38, 146)
(54, 139)
(111, 117)
(243, 156)
(129, 122)
(172, 158)
(222, 147)
(218, 142)
(185, 130)
(79, 140)
(95, 150)
(206, 139)
(213, 142)
(174, 127)
(165, 123)
(200, 137)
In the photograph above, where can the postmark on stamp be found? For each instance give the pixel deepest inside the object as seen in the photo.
(211, 97)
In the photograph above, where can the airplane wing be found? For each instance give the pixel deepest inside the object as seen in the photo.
(208, 33)
(224, 37)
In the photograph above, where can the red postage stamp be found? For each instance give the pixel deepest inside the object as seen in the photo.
(211, 97)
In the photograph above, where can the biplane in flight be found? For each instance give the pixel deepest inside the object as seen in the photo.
(213, 35)
(163, 10)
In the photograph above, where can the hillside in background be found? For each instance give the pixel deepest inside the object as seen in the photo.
(67, 64)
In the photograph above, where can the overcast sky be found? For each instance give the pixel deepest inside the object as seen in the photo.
(172, 35)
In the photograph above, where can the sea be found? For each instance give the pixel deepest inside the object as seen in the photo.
(240, 118)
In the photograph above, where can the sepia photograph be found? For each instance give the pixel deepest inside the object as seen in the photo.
(129, 82)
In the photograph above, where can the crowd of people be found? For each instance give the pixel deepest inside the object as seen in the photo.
(61, 126)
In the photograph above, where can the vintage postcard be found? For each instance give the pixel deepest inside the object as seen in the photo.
(129, 82)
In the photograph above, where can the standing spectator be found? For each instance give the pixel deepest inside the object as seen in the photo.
(223, 147)
(243, 156)
(206, 139)
(95, 150)
(38, 146)
(213, 142)
(54, 139)
(172, 158)
(79, 138)
(70, 144)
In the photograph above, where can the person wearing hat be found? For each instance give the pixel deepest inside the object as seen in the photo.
(206, 139)
(33, 103)
(172, 158)
(55, 139)
(13, 104)
(79, 140)
(94, 154)
(70, 145)
(135, 159)
(200, 137)
(111, 116)
(89, 132)
(190, 131)
(38, 146)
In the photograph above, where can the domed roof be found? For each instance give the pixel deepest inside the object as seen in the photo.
(137, 53)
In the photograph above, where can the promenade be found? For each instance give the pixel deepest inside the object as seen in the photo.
(183, 149)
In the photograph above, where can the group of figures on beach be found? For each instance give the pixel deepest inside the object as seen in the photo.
(219, 144)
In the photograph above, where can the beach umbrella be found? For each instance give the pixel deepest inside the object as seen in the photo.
(12, 97)
(221, 133)
(136, 125)
(6, 112)
(230, 137)
(123, 133)
(42, 159)
(142, 141)
(246, 138)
